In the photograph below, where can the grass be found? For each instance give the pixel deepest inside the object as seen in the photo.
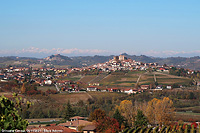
(136, 72)
(45, 88)
(72, 97)
(72, 78)
(98, 95)
(87, 78)
(172, 80)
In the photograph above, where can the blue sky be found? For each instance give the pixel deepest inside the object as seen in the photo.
(100, 27)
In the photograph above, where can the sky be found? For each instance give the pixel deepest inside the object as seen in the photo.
(159, 28)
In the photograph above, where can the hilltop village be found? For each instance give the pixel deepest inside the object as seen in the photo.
(62, 95)
(56, 76)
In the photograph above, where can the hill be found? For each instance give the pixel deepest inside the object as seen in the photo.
(79, 61)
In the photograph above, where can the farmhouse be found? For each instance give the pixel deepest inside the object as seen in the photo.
(130, 91)
(75, 124)
(144, 87)
(92, 88)
(89, 129)
(169, 86)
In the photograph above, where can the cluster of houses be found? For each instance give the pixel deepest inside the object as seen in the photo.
(39, 75)
(51, 76)
(119, 63)
(70, 126)
(140, 89)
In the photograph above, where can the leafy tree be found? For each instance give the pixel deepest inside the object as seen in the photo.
(140, 119)
(69, 112)
(117, 115)
(97, 115)
(160, 111)
(23, 89)
(10, 119)
(108, 125)
(126, 109)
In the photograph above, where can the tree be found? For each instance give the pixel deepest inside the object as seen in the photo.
(10, 119)
(108, 125)
(198, 75)
(23, 89)
(97, 115)
(140, 119)
(127, 110)
(69, 112)
(104, 123)
(160, 111)
(117, 115)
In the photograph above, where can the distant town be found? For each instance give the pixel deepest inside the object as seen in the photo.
(54, 76)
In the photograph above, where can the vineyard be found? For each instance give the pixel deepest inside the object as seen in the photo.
(169, 129)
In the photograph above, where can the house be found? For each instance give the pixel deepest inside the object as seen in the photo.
(53, 128)
(144, 87)
(159, 87)
(113, 90)
(129, 91)
(92, 88)
(96, 84)
(77, 118)
(89, 129)
(75, 124)
(48, 82)
(169, 86)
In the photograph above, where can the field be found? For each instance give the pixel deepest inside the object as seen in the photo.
(87, 78)
(98, 95)
(45, 88)
(72, 97)
(129, 79)
(166, 79)
(187, 116)
(72, 78)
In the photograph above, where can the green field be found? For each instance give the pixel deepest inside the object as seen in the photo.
(130, 78)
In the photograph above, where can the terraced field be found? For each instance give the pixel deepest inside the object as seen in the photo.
(87, 78)
(129, 79)
(167, 79)
(146, 79)
(98, 78)
(73, 78)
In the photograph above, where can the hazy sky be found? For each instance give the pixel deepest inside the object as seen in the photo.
(99, 27)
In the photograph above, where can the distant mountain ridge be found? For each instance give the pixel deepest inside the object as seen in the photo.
(79, 61)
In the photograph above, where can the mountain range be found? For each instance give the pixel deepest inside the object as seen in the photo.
(79, 61)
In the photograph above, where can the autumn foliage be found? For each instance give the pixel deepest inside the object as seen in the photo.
(160, 111)
(104, 123)
(127, 110)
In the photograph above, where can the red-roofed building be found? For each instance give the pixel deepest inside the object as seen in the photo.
(75, 124)
(55, 129)
(144, 87)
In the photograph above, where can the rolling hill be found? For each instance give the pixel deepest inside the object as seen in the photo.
(79, 61)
